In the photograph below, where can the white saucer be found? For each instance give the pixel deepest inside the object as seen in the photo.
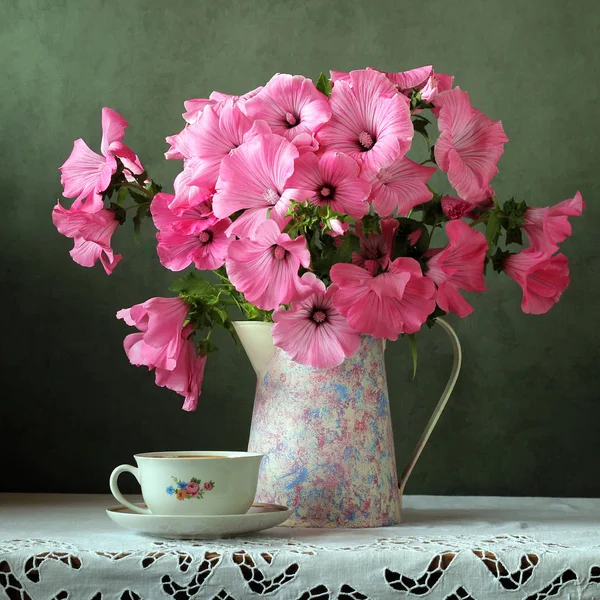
(259, 517)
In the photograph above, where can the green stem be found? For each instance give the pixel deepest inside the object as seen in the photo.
(139, 188)
(136, 206)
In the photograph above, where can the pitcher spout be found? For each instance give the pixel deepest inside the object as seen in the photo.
(257, 342)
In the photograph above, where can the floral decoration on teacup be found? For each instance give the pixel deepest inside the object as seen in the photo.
(194, 488)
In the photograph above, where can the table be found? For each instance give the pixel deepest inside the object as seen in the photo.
(64, 547)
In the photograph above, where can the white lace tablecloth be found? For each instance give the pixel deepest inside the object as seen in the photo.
(64, 547)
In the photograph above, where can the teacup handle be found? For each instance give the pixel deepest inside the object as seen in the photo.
(116, 492)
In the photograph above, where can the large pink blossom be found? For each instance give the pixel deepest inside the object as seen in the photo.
(187, 375)
(542, 277)
(217, 134)
(312, 331)
(386, 305)
(422, 79)
(458, 266)
(369, 121)
(469, 146)
(188, 193)
(168, 217)
(401, 186)
(265, 269)
(291, 105)
(333, 180)
(549, 226)
(160, 321)
(194, 108)
(220, 97)
(193, 236)
(85, 174)
(92, 232)
(180, 143)
(376, 249)
(254, 179)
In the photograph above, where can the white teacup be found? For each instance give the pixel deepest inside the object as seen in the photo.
(192, 483)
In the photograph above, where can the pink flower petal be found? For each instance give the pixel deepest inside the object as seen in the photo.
(113, 129)
(291, 105)
(458, 266)
(542, 277)
(265, 269)
(369, 123)
(254, 177)
(470, 144)
(400, 186)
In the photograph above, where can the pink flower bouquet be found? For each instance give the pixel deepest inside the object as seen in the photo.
(302, 202)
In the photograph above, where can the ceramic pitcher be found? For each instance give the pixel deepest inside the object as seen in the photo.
(327, 433)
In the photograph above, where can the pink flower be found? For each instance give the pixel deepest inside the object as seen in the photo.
(369, 121)
(192, 488)
(542, 277)
(265, 269)
(469, 146)
(187, 375)
(375, 250)
(208, 485)
(180, 144)
(547, 227)
(254, 178)
(290, 104)
(454, 207)
(423, 80)
(194, 236)
(401, 185)
(160, 320)
(195, 107)
(338, 228)
(92, 232)
(86, 174)
(217, 134)
(458, 266)
(331, 180)
(187, 193)
(221, 97)
(168, 217)
(312, 331)
(305, 142)
(385, 305)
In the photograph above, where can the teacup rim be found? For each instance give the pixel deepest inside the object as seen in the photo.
(191, 454)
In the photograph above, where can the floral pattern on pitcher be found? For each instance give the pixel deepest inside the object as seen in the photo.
(186, 490)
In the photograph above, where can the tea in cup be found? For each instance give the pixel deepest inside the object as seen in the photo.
(192, 483)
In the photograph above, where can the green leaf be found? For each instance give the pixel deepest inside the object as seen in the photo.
(121, 196)
(120, 214)
(421, 127)
(137, 197)
(413, 351)
(492, 229)
(219, 315)
(193, 285)
(206, 346)
(514, 235)
(140, 213)
(432, 212)
(514, 218)
(194, 480)
(498, 260)
(324, 85)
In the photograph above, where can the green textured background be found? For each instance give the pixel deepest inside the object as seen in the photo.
(524, 419)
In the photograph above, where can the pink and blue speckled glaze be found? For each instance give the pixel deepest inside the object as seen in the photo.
(327, 439)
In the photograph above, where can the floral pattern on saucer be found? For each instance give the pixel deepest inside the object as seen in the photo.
(186, 490)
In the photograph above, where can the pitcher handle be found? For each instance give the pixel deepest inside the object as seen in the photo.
(457, 350)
